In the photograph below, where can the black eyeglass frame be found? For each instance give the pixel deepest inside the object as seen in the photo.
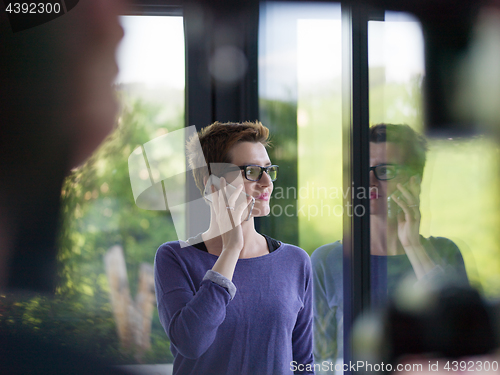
(262, 169)
(374, 169)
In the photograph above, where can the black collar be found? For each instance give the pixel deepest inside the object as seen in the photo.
(197, 242)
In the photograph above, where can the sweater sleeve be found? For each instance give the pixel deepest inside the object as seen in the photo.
(189, 315)
(302, 336)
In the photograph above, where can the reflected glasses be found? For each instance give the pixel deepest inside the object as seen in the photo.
(384, 172)
(255, 172)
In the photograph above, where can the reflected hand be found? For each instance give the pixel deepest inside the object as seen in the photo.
(409, 218)
(409, 227)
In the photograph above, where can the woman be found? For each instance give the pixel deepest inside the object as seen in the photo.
(397, 159)
(233, 301)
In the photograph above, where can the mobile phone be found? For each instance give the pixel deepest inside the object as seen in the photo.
(393, 209)
(214, 181)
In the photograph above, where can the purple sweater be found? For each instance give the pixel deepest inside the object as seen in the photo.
(266, 329)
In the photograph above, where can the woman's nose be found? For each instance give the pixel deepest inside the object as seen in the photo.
(373, 178)
(265, 180)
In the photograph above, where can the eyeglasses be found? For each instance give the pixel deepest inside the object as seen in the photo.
(384, 172)
(254, 172)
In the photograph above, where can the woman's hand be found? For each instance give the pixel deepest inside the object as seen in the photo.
(229, 210)
(409, 218)
(409, 227)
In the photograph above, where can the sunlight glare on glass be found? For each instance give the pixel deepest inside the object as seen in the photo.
(396, 44)
(152, 51)
(318, 48)
(282, 29)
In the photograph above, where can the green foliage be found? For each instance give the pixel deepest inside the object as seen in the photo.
(320, 170)
(281, 119)
(320, 154)
(98, 211)
(395, 102)
(460, 200)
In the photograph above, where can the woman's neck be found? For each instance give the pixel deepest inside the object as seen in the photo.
(384, 238)
(254, 243)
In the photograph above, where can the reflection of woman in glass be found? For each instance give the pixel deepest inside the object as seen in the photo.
(237, 302)
(397, 158)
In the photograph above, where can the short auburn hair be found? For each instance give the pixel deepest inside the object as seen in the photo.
(413, 144)
(217, 140)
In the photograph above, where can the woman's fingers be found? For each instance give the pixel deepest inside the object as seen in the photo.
(414, 185)
(233, 199)
(410, 211)
(215, 200)
(410, 199)
(219, 201)
(222, 193)
(401, 203)
(229, 205)
(224, 207)
(244, 208)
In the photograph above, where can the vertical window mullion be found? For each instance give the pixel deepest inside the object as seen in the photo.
(199, 94)
(355, 127)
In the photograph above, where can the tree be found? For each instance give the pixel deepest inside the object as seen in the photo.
(98, 211)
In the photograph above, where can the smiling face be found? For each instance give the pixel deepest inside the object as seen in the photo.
(250, 153)
(384, 153)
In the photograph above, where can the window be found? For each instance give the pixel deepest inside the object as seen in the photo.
(458, 179)
(297, 52)
(108, 243)
(300, 98)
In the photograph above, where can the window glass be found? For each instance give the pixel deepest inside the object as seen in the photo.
(449, 188)
(105, 303)
(396, 70)
(444, 228)
(319, 132)
(300, 101)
